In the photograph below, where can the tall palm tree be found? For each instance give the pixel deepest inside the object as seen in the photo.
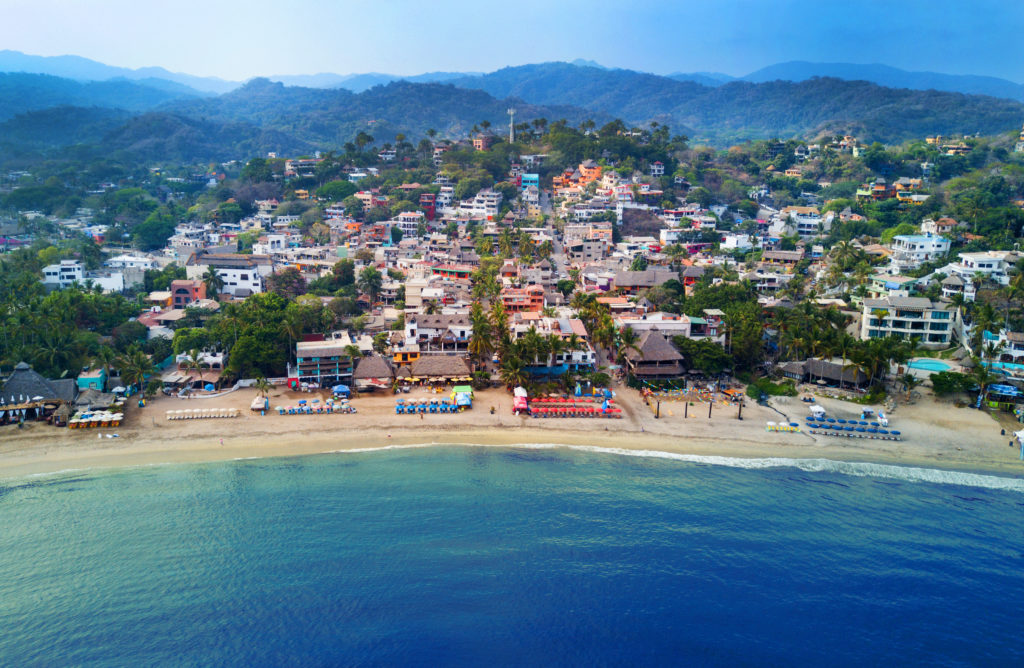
(195, 361)
(556, 346)
(214, 282)
(512, 372)
(370, 282)
(263, 386)
(135, 367)
(981, 375)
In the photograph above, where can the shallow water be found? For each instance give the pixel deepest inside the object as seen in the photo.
(459, 555)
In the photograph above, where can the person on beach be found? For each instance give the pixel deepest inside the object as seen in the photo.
(222, 441)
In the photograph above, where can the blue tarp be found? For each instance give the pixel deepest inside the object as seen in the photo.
(342, 389)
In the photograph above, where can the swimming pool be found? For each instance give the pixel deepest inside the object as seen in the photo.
(928, 364)
(1005, 367)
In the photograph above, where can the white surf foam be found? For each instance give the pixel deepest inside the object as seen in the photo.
(858, 469)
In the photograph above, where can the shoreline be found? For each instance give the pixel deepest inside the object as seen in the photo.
(935, 436)
(615, 442)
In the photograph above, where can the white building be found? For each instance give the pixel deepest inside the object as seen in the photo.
(993, 265)
(910, 251)
(64, 274)
(671, 324)
(908, 317)
(806, 219)
(242, 274)
(69, 272)
(736, 242)
(484, 205)
(409, 222)
(131, 262)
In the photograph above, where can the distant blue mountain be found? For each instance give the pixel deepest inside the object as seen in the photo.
(357, 83)
(703, 78)
(84, 69)
(21, 93)
(891, 77)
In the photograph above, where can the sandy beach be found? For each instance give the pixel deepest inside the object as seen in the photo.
(935, 433)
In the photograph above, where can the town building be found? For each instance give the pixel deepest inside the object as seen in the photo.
(325, 363)
(243, 275)
(931, 323)
(185, 292)
(910, 251)
(655, 358)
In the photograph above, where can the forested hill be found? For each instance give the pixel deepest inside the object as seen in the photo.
(334, 116)
(740, 110)
(265, 116)
(20, 93)
(632, 96)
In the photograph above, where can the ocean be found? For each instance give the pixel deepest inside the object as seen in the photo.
(512, 556)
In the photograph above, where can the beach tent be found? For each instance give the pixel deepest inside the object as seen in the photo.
(519, 403)
(342, 390)
(520, 392)
(817, 411)
(462, 389)
(463, 399)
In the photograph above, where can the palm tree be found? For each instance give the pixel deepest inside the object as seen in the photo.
(981, 375)
(105, 357)
(628, 340)
(195, 361)
(213, 281)
(910, 381)
(134, 367)
(556, 346)
(512, 372)
(370, 282)
(263, 386)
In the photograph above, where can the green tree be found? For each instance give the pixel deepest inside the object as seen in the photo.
(370, 282)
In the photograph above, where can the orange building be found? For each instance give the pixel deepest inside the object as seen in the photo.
(523, 300)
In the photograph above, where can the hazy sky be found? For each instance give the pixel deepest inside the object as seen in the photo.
(240, 39)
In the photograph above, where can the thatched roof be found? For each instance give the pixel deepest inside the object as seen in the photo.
(437, 366)
(373, 366)
(654, 348)
(25, 382)
(90, 399)
(815, 369)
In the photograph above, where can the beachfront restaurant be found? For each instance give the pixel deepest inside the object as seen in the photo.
(26, 395)
(825, 373)
(440, 369)
(655, 359)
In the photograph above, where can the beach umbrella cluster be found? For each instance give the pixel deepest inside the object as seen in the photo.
(202, 413)
(93, 419)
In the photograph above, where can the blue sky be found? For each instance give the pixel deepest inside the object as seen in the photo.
(238, 40)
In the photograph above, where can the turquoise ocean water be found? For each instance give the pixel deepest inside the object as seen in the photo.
(460, 556)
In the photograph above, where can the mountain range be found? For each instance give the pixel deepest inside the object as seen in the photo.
(84, 69)
(164, 119)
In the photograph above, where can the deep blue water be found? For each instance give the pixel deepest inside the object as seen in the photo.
(471, 556)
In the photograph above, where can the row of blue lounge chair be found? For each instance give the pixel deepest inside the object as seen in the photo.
(432, 407)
